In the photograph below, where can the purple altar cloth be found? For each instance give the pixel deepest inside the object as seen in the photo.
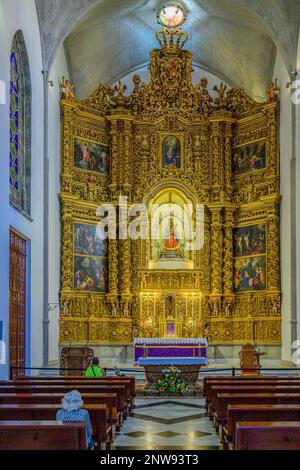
(169, 351)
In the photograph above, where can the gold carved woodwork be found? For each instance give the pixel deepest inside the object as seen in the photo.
(208, 127)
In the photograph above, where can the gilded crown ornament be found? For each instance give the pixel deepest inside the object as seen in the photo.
(172, 39)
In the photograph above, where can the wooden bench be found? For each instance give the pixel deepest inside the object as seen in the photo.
(230, 383)
(108, 399)
(257, 412)
(120, 390)
(74, 384)
(257, 389)
(251, 435)
(226, 399)
(98, 414)
(82, 379)
(42, 435)
(224, 378)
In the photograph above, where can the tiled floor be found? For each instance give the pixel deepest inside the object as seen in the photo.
(158, 424)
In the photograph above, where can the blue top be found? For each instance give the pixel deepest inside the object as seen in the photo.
(77, 415)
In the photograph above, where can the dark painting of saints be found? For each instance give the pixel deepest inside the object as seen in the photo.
(171, 152)
(87, 242)
(92, 156)
(249, 274)
(249, 240)
(249, 157)
(90, 274)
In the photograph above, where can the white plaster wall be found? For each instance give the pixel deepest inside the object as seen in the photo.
(58, 69)
(297, 254)
(15, 15)
(280, 72)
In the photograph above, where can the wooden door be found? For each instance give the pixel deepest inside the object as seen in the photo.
(17, 302)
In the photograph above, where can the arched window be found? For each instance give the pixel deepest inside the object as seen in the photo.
(20, 126)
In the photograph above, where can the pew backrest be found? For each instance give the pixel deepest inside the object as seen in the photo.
(42, 435)
(251, 435)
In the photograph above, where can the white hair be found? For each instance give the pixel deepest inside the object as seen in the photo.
(72, 401)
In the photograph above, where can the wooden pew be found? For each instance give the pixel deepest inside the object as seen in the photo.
(226, 399)
(76, 385)
(42, 435)
(257, 412)
(99, 415)
(62, 388)
(238, 378)
(257, 389)
(251, 435)
(80, 379)
(228, 383)
(108, 399)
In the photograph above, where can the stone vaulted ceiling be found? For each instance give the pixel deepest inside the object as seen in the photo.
(234, 39)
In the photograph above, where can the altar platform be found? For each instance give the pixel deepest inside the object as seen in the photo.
(170, 347)
(189, 367)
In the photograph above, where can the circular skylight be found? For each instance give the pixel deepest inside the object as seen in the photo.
(171, 16)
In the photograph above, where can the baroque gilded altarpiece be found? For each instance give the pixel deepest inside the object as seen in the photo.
(210, 129)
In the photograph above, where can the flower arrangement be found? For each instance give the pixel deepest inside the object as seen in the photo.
(171, 381)
(203, 330)
(145, 330)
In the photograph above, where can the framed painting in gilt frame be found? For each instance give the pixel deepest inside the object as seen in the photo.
(90, 259)
(171, 151)
(92, 156)
(249, 241)
(249, 157)
(250, 274)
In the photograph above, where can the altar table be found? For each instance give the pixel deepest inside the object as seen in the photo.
(170, 347)
(189, 367)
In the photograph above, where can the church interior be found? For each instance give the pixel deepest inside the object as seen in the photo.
(150, 219)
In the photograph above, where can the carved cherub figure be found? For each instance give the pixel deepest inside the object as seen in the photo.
(221, 100)
(67, 89)
(205, 100)
(120, 100)
(137, 94)
(272, 91)
(120, 89)
(113, 310)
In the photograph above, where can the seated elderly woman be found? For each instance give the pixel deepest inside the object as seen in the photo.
(71, 410)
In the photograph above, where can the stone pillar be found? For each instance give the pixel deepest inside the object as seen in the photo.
(273, 245)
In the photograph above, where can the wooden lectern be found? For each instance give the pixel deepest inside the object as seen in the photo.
(75, 358)
(250, 360)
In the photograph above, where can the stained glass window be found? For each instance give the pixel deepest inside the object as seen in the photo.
(171, 16)
(20, 126)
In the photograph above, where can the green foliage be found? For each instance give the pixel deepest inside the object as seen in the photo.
(171, 381)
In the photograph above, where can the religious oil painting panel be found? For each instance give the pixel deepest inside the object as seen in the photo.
(249, 274)
(249, 241)
(171, 148)
(90, 274)
(92, 156)
(249, 157)
(88, 242)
